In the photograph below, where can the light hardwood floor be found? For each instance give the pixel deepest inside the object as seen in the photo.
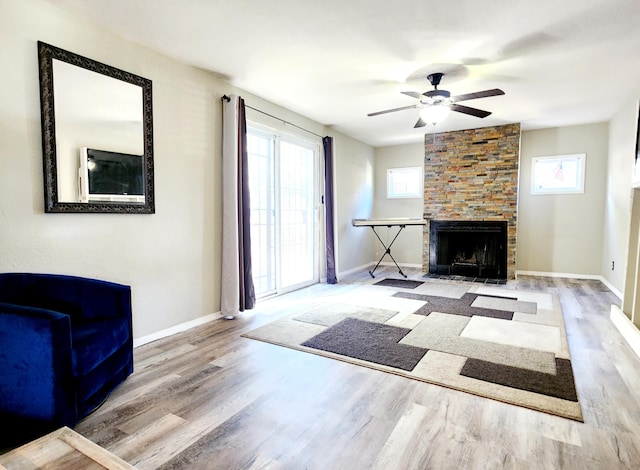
(208, 398)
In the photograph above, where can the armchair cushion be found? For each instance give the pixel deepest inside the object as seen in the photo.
(94, 342)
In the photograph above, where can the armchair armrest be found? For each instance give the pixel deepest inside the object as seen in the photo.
(35, 359)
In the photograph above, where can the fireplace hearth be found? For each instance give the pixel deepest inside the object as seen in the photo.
(468, 248)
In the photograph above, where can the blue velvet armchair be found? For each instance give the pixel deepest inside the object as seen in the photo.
(65, 343)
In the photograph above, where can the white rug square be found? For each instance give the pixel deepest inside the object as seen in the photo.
(442, 289)
(508, 305)
(513, 333)
(543, 299)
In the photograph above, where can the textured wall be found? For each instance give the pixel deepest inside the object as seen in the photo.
(473, 175)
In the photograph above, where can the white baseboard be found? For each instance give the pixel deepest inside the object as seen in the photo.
(384, 263)
(402, 265)
(175, 329)
(617, 292)
(627, 329)
(596, 277)
(356, 269)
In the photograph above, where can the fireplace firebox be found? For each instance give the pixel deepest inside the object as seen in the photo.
(469, 248)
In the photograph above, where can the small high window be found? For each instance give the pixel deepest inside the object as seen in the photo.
(404, 182)
(560, 174)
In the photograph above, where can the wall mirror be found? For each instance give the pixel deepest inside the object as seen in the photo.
(97, 136)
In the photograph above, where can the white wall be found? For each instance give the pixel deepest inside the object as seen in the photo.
(622, 149)
(407, 249)
(563, 233)
(354, 194)
(171, 258)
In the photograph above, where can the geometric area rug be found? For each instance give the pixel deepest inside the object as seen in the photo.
(493, 342)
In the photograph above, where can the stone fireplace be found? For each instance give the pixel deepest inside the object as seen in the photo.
(471, 176)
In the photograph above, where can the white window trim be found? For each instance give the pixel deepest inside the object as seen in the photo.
(538, 188)
(419, 174)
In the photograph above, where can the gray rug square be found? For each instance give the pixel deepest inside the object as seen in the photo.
(401, 283)
(368, 341)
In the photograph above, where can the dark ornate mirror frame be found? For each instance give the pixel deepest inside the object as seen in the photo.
(46, 53)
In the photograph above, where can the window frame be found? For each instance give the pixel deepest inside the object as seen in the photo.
(538, 186)
(405, 170)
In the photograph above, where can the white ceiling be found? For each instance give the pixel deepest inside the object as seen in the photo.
(560, 62)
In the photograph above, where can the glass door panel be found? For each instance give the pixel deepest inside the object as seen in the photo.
(284, 240)
(262, 199)
(297, 214)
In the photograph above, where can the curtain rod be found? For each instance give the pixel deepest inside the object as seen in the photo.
(226, 98)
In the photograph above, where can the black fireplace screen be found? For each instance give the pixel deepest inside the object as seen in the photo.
(468, 248)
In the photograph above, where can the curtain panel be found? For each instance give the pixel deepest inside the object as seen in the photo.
(327, 144)
(237, 293)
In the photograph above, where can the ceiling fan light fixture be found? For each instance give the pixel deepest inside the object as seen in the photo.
(434, 113)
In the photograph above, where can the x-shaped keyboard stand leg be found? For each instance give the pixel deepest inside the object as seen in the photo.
(387, 250)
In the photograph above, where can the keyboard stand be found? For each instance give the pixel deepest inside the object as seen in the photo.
(387, 249)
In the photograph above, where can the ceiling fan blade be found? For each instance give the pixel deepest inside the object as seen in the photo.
(420, 123)
(413, 106)
(477, 94)
(471, 111)
(412, 94)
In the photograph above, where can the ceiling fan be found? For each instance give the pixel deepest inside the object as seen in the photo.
(435, 104)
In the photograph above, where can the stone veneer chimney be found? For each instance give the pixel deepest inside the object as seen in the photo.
(473, 175)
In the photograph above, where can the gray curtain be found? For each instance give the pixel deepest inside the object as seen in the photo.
(327, 143)
(237, 293)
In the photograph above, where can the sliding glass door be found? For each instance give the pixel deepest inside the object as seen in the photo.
(283, 175)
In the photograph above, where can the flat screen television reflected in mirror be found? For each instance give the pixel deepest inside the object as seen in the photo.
(106, 176)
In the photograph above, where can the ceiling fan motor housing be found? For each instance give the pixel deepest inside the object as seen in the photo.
(437, 94)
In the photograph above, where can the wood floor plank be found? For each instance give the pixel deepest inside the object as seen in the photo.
(210, 398)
